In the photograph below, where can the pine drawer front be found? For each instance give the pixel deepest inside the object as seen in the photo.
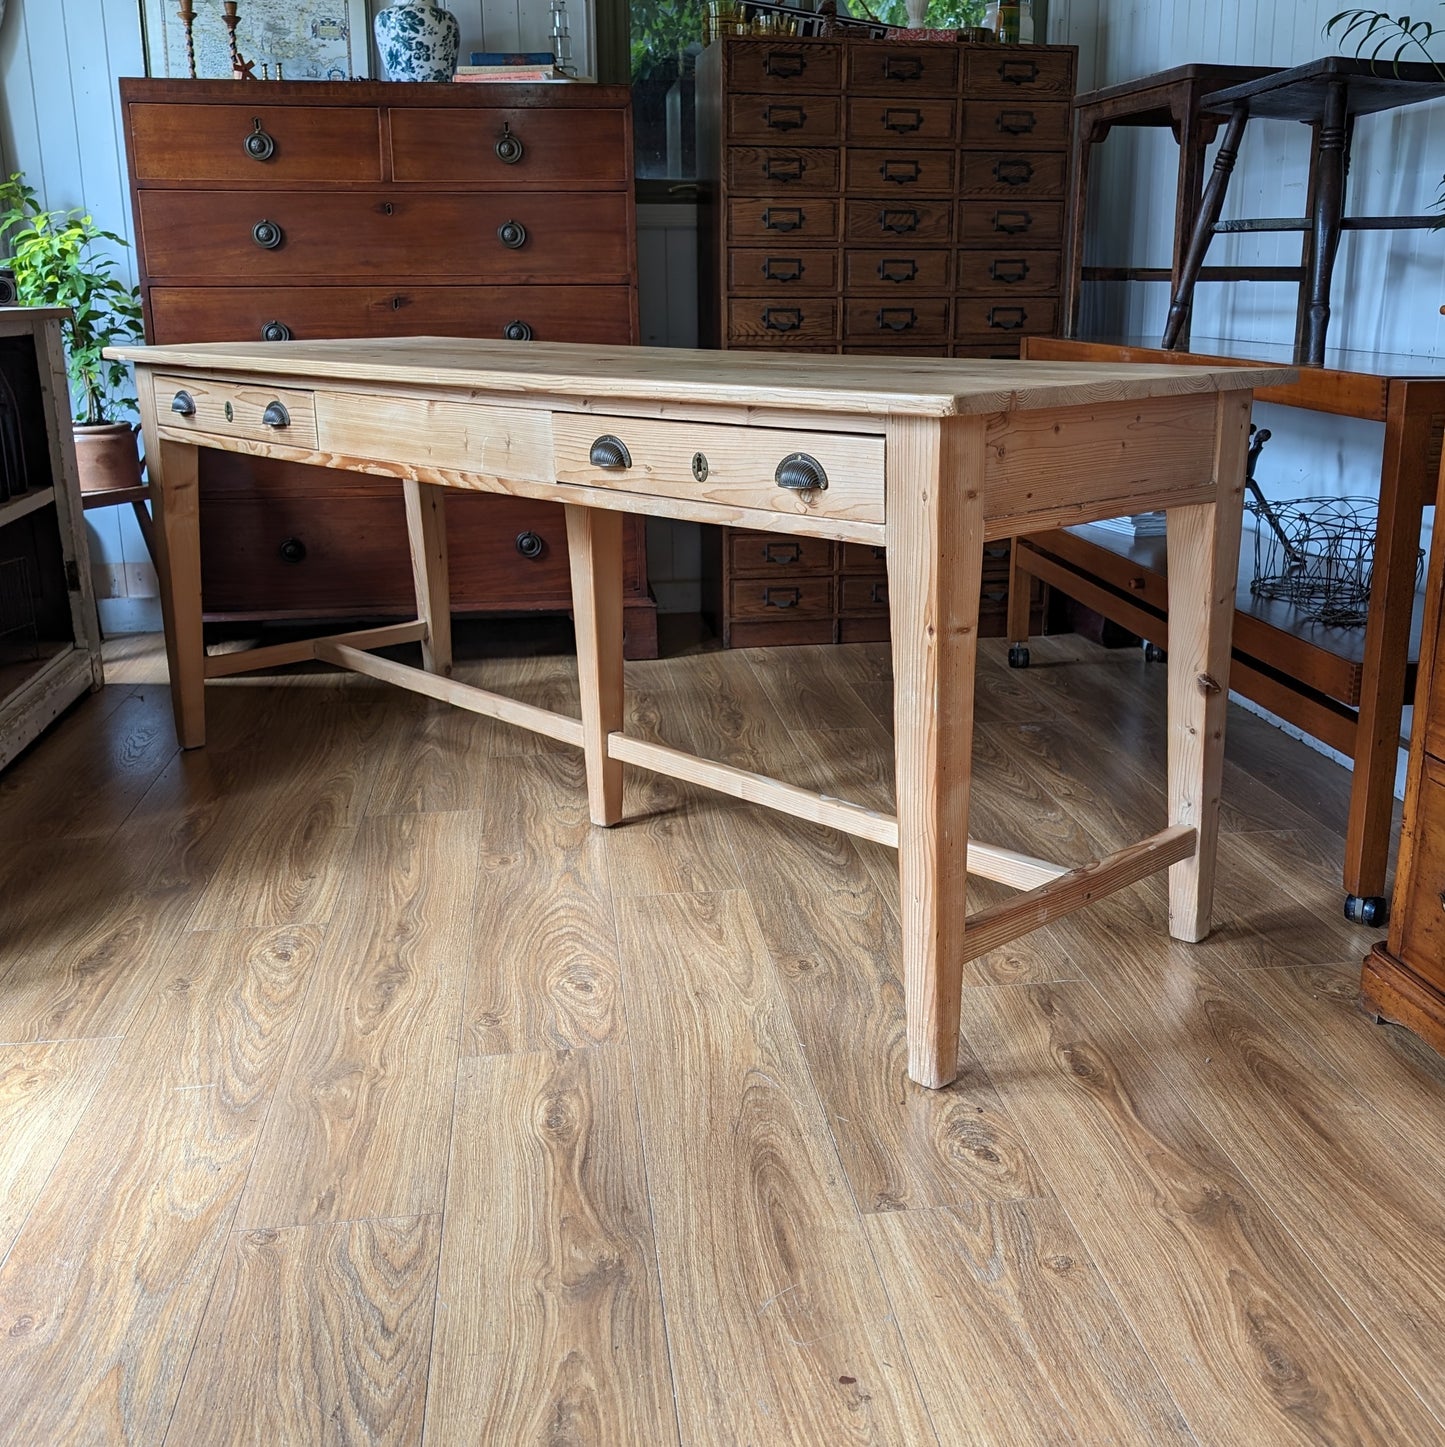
(801, 597)
(768, 220)
(997, 124)
(783, 67)
(783, 270)
(307, 313)
(900, 171)
(768, 555)
(895, 271)
(782, 170)
(985, 223)
(886, 120)
(885, 222)
(783, 120)
(234, 410)
(1040, 75)
(513, 443)
(1013, 176)
(509, 148)
(259, 236)
(765, 321)
(731, 466)
(255, 144)
(1006, 273)
(902, 71)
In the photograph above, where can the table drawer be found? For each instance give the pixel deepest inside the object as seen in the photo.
(885, 120)
(269, 313)
(770, 220)
(800, 169)
(255, 144)
(1025, 73)
(864, 596)
(782, 269)
(793, 598)
(805, 322)
(1003, 123)
(981, 223)
(898, 270)
(984, 273)
(774, 118)
(919, 319)
(1021, 176)
(903, 71)
(264, 236)
(890, 221)
(731, 466)
(1421, 904)
(781, 67)
(899, 171)
(516, 148)
(220, 407)
(772, 555)
(1019, 316)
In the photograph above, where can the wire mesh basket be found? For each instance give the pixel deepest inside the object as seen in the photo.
(1318, 554)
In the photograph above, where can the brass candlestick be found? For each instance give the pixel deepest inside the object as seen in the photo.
(187, 14)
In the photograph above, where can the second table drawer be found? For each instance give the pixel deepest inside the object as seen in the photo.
(224, 408)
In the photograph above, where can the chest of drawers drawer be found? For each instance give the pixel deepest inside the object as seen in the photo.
(879, 318)
(772, 119)
(754, 221)
(783, 67)
(768, 555)
(907, 170)
(1015, 316)
(902, 71)
(897, 270)
(984, 223)
(1024, 176)
(229, 409)
(1001, 123)
(771, 170)
(509, 148)
(754, 321)
(889, 221)
(254, 236)
(782, 269)
(1026, 75)
(881, 120)
(989, 273)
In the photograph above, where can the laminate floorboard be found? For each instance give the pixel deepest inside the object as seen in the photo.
(354, 1088)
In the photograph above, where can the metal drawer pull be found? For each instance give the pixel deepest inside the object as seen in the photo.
(783, 268)
(267, 235)
(800, 473)
(897, 319)
(1007, 318)
(782, 597)
(1013, 223)
(512, 234)
(276, 416)
(1015, 123)
(782, 318)
(784, 218)
(785, 64)
(1009, 269)
(509, 148)
(1014, 172)
(611, 453)
(784, 168)
(183, 404)
(901, 173)
(530, 545)
(897, 268)
(1018, 72)
(899, 221)
(259, 146)
(785, 118)
(275, 332)
(517, 332)
(903, 121)
(784, 553)
(902, 67)
(293, 550)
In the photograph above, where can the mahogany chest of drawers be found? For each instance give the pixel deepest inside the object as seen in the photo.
(304, 210)
(866, 196)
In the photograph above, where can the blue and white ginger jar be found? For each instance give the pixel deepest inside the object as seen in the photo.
(418, 41)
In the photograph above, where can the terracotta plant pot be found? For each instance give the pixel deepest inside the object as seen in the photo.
(106, 456)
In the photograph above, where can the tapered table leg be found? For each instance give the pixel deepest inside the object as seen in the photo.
(1331, 160)
(426, 531)
(1203, 576)
(594, 544)
(935, 475)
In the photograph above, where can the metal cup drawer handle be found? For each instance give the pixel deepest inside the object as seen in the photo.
(900, 221)
(1016, 123)
(784, 218)
(902, 67)
(1013, 223)
(1018, 72)
(903, 121)
(276, 416)
(785, 118)
(509, 148)
(183, 404)
(785, 64)
(784, 168)
(259, 146)
(275, 332)
(267, 235)
(901, 173)
(782, 318)
(1007, 318)
(782, 597)
(1013, 172)
(610, 453)
(783, 268)
(897, 319)
(897, 268)
(512, 234)
(798, 472)
(1009, 269)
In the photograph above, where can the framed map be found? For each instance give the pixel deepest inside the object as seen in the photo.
(309, 39)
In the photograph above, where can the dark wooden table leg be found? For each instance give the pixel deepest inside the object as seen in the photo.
(1203, 233)
(1087, 133)
(1331, 158)
(1195, 134)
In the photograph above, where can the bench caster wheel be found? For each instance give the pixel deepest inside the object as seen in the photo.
(1018, 655)
(1153, 653)
(1371, 911)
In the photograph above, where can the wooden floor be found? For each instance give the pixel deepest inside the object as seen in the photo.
(356, 1090)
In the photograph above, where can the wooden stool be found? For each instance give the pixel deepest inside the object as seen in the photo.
(1326, 95)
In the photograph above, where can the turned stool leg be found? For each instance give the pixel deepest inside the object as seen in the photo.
(1331, 159)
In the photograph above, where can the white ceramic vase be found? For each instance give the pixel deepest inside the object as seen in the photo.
(417, 40)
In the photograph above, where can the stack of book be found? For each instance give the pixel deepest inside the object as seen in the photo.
(499, 65)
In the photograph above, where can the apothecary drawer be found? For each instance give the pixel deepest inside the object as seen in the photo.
(600, 314)
(774, 118)
(515, 236)
(888, 220)
(769, 219)
(902, 70)
(996, 123)
(803, 597)
(1015, 316)
(779, 169)
(1025, 73)
(805, 322)
(771, 555)
(832, 475)
(987, 273)
(878, 318)
(985, 223)
(864, 596)
(881, 120)
(1014, 176)
(897, 270)
(781, 67)
(516, 148)
(225, 408)
(782, 269)
(912, 171)
(254, 144)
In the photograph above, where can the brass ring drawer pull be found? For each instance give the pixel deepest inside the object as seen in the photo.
(259, 146)
(517, 332)
(610, 453)
(267, 235)
(512, 234)
(801, 473)
(292, 550)
(530, 545)
(275, 332)
(509, 149)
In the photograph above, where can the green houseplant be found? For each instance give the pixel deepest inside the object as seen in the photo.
(60, 258)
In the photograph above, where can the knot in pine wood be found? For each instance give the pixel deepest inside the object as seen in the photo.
(1207, 684)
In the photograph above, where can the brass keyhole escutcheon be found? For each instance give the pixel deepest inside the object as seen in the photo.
(699, 466)
(230, 413)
